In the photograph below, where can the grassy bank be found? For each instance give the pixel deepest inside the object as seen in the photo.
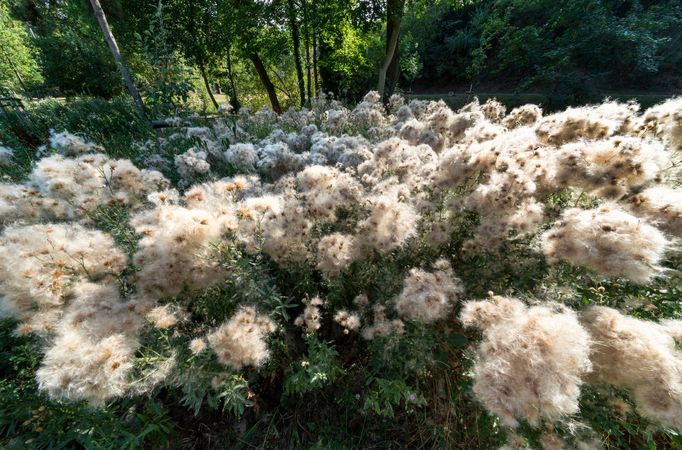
(113, 123)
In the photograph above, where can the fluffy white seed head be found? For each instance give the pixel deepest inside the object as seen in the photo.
(429, 296)
(531, 362)
(640, 356)
(609, 241)
(241, 341)
(40, 264)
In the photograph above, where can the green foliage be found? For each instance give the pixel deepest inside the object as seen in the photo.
(571, 53)
(251, 283)
(222, 391)
(571, 50)
(166, 87)
(411, 65)
(349, 61)
(111, 122)
(233, 393)
(19, 65)
(382, 396)
(74, 55)
(114, 219)
(320, 368)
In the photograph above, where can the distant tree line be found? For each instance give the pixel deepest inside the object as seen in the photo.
(285, 52)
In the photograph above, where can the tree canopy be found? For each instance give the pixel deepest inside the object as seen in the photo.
(284, 52)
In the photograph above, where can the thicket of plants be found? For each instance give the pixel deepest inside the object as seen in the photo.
(572, 51)
(389, 276)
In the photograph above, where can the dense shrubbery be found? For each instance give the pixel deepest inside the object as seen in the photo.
(339, 277)
(570, 51)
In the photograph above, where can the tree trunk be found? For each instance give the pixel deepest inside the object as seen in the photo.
(267, 83)
(293, 24)
(283, 87)
(127, 79)
(392, 74)
(394, 15)
(306, 40)
(315, 70)
(202, 69)
(234, 101)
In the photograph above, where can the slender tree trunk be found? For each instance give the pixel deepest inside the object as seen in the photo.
(127, 79)
(394, 15)
(392, 74)
(202, 69)
(306, 40)
(393, 71)
(293, 25)
(235, 100)
(315, 70)
(267, 83)
(283, 87)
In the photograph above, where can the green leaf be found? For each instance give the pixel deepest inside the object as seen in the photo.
(458, 340)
